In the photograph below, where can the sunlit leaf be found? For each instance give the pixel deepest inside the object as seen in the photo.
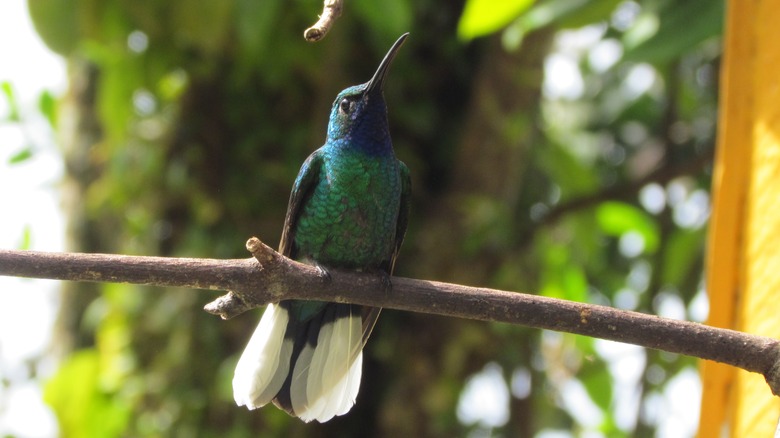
(172, 85)
(113, 340)
(71, 401)
(561, 277)
(482, 17)
(575, 285)
(10, 97)
(47, 105)
(21, 156)
(617, 218)
(26, 242)
(81, 406)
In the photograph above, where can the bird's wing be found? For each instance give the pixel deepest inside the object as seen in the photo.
(370, 314)
(302, 189)
(403, 211)
(403, 217)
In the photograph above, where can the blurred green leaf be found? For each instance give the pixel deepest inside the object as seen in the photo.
(680, 253)
(561, 277)
(172, 85)
(553, 11)
(560, 13)
(681, 26)
(590, 12)
(47, 105)
(56, 22)
(595, 376)
(82, 408)
(121, 78)
(21, 156)
(482, 17)
(618, 218)
(26, 242)
(572, 175)
(10, 97)
(575, 285)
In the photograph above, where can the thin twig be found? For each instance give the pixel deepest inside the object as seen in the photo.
(331, 10)
(270, 277)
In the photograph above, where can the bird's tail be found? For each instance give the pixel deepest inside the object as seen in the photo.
(309, 366)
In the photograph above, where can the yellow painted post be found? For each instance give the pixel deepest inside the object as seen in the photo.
(743, 259)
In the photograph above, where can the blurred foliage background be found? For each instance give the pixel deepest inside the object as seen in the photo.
(560, 147)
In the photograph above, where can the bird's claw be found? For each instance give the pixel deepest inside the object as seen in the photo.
(387, 282)
(323, 273)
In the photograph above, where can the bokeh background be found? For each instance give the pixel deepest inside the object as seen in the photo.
(557, 147)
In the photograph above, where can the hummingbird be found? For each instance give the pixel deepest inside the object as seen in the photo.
(348, 209)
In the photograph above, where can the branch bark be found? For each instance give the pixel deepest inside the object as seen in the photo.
(270, 277)
(331, 10)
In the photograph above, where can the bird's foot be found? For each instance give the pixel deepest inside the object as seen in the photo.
(322, 272)
(385, 279)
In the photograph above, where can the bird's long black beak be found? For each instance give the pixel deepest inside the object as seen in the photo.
(378, 80)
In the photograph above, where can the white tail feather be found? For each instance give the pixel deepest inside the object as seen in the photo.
(326, 379)
(353, 384)
(263, 366)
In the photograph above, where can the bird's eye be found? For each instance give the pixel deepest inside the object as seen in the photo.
(345, 106)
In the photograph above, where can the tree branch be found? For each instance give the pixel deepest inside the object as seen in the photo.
(331, 10)
(270, 277)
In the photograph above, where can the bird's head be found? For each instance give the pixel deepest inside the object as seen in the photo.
(358, 117)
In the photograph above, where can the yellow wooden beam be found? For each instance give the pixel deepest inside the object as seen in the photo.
(743, 258)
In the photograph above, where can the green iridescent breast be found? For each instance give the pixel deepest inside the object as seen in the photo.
(350, 219)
